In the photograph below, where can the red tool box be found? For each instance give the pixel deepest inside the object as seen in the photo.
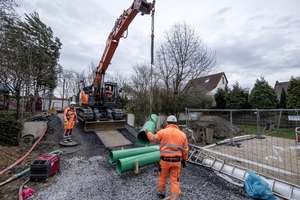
(44, 166)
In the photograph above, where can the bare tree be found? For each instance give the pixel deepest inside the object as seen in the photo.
(180, 58)
(90, 74)
(137, 91)
(69, 83)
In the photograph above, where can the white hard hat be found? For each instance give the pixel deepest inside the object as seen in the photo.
(172, 118)
(72, 103)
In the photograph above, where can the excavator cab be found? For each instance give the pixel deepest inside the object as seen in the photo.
(110, 94)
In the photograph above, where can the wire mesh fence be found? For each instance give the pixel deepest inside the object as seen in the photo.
(263, 141)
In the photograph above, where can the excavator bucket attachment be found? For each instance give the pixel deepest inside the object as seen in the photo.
(104, 125)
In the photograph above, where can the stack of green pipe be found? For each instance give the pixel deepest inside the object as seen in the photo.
(126, 159)
(150, 125)
(114, 156)
(129, 163)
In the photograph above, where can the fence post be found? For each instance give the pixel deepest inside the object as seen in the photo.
(231, 142)
(187, 121)
(258, 125)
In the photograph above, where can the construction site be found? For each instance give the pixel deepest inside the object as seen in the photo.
(89, 170)
(93, 150)
(86, 172)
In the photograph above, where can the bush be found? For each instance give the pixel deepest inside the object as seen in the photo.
(10, 130)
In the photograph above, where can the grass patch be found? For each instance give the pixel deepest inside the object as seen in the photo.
(281, 132)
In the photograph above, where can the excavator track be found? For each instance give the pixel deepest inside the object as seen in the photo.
(86, 115)
(105, 128)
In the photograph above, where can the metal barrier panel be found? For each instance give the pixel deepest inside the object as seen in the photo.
(263, 141)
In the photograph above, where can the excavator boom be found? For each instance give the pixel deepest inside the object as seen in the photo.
(121, 25)
(99, 109)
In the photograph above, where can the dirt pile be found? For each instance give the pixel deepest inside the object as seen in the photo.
(220, 127)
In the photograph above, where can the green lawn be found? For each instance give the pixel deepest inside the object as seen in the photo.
(281, 132)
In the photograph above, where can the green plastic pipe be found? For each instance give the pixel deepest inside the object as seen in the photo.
(119, 154)
(149, 125)
(129, 163)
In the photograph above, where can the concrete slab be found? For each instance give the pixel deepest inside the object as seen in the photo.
(35, 128)
(32, 131)
(112, 138)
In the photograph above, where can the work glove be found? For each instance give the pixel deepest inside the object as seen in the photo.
(65, 123)
(183, 163)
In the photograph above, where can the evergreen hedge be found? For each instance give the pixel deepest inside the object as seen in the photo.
(10, 130)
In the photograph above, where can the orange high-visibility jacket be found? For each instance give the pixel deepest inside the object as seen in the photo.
(109, 93)
(172, 141)
(70, 116)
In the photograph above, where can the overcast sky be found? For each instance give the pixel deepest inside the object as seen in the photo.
(252, 38)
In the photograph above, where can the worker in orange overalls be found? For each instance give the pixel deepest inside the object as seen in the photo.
(173, 153)
(70, 118)
(109, 94)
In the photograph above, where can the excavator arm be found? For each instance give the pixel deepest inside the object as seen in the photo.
(97, 109)
(121, 25)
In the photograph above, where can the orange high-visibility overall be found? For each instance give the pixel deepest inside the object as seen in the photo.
(109, 93)
(71, 117)
(173, 149)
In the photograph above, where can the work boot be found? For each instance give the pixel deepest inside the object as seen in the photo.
(69, 139)
(161, 196)
(65, 139)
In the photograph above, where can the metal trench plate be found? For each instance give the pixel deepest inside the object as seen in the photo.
(112, 138)
(68, 144)
(67, 150)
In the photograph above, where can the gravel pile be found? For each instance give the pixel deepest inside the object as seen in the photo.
(88, 174)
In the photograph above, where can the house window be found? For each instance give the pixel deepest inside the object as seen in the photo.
(207, 80)
(223, 82)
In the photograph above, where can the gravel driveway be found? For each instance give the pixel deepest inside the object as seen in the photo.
(88, 174)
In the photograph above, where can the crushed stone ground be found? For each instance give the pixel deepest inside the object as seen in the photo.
(88, 174)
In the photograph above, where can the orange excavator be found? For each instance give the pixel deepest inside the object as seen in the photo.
(98, 108)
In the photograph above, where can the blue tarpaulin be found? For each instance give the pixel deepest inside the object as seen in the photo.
(257, 188)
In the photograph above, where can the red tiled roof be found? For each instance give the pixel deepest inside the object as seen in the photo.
(208, 82)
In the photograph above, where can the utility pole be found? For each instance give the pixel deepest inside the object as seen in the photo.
(63, 94)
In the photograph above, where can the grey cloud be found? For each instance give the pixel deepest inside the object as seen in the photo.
(222, 11)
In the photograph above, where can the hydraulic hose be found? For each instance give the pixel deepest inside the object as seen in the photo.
(114, 156)
(18, 161)
(21, 188)
(150, 125)
(25, 171)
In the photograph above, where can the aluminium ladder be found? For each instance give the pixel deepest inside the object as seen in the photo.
(280, 189)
